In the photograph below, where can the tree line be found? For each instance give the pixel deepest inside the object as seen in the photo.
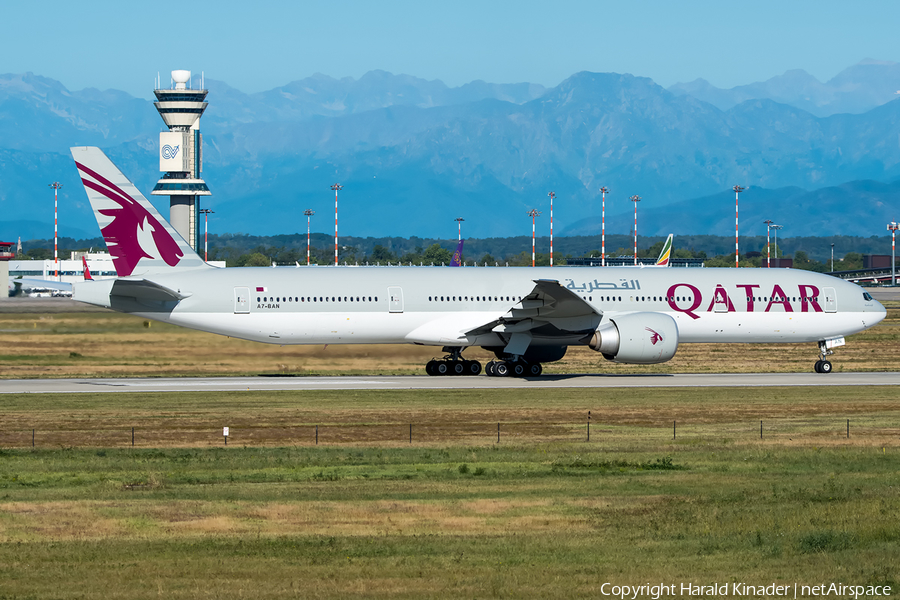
(810, 253)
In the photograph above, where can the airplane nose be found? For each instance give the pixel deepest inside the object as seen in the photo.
(879, 312)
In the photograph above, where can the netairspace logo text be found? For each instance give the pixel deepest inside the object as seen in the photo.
(737, 590)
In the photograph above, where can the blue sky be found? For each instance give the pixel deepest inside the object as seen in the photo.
(260, 45)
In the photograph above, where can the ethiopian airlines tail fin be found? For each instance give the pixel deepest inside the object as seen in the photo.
(665, 255)
(138, 237)
(457, 256)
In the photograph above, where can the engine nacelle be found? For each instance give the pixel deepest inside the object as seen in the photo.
(643, 338)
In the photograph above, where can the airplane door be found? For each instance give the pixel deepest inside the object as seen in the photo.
(395, 299)
(720, 303)
(830, 299)
(241, 300)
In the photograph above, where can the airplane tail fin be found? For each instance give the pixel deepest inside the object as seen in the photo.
(457, 256)
(138, 237)
(666, 253)
(87, 272)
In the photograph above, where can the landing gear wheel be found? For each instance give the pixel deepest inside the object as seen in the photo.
(818, 366)
(501, 369)
(489, 368)
(472, 367)
(441, 368)
(826, 367)
(535, 370)
(430, 367)
(518, 370)
(457, 367)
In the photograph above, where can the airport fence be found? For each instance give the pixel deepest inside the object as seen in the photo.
(830, 429)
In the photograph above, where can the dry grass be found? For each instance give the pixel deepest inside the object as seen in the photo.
(543, 514)
(461, 418)
(114, 345)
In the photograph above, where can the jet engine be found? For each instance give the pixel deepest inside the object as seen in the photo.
(642, 338)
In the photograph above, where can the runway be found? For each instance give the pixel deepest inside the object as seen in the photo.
(414, 382)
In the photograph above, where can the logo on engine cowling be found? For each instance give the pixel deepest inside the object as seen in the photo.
(655, 336)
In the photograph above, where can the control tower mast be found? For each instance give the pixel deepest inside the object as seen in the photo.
(181, 154)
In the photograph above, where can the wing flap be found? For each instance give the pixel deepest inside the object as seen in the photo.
(549, 303)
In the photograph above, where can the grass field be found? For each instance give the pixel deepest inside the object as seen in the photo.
(365, 513)
(106, 344)
(411, 495)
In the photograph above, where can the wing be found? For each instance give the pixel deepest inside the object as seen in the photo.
(550, 311)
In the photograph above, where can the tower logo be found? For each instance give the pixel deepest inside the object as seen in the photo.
(170, 152)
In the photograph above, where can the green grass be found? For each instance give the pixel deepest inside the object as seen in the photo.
(539, 515)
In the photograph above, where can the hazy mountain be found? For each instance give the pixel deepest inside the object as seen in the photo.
(856, 89)
(866, 206)
(414, 154)
(323, 96)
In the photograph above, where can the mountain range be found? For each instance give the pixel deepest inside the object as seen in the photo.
(413, 155)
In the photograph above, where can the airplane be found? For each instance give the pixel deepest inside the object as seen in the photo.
(38, 288)
(525, 316)
(665, 253)
(457, 256)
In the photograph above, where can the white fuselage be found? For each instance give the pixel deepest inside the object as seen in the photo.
(438, 305)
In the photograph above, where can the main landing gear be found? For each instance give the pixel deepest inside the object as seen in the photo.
(453, 364)
(822, 365)
(513, 368)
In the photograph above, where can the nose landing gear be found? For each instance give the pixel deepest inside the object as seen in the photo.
(822, 365)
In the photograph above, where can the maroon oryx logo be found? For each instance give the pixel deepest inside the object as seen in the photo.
(131, 224)
(654, 336)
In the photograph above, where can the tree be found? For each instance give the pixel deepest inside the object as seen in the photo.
(380, 254)
(255, 259)
(437, 255)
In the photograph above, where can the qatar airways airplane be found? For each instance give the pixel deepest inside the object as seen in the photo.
(524, 315)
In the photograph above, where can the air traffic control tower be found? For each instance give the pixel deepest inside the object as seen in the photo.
(181, 154)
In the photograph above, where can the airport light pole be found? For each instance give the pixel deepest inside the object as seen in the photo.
(552, 196)
(832, 257)
(776, 228)
(55, 185)
(635, 199)
(206, 212)
(737, 190)
(308, 213)
(336, 187)
(892, 227)
(532, 213)
(603, 191)
(459, 222)
(769, 223)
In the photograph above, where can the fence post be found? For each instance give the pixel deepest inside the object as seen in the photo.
(32, 438)
(673, 430)
(132, 437)
(498, 433)
(760, 429)
(317, 435)
(848, 429)
(410, 433)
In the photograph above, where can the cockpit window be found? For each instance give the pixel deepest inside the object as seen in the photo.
(867, 296)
